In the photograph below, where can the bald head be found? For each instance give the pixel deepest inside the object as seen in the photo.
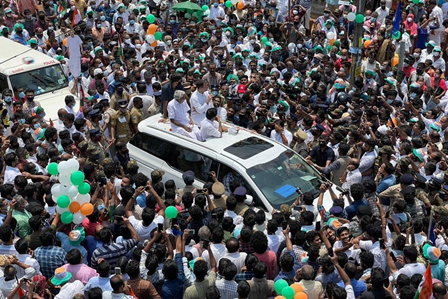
(307, 272)
(66, 157)
(61, 113)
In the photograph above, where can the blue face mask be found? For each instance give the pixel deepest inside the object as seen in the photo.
(413, 95)
(21, 121)
(131, 22)
(172, 22)
(389, 101)
(21, 95)
(36, 125)
(8, 99)
(368, 80)
(215, 4)
(103, 18)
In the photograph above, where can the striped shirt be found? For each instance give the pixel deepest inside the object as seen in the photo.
(112, 252)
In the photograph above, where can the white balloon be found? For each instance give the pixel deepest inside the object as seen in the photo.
(65, 180)
(72, 192)
(351, 16)
(78, 218)
(330, 35)
(83, 198)
(150, 38)
(61, 210)
(54, 198)
(63, 167)
(291, 46)
(56, 190)
(73, 165)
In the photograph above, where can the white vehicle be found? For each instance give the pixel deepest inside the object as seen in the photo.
(271, 170)
(21, 66)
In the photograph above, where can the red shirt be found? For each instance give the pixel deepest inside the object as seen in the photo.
(89, 227)
(268, 258)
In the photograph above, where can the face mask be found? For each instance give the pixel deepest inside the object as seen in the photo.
(343, 57)
(436, 54)
(252, 41)
(368, 80)
(30, 99)
(103, 18)
(389, 101)
(413, 95)
(172, 22)
(131, 22)
(373, 20)
(409, 20)
(204, 40)
(8, 99)
(138, 46)
(406, 64)
(168, 43)
(36, 125)
(342, 70)
(295, 12)
(21, 95)
(98, 26)
(21, 121)
(128, 41)
(416, 55)
(215, 4)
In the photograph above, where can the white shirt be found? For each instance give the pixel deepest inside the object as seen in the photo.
(379, 255)
(210, 129)
(238, 258)
(351, 252)
(199, 106)
(10, 174)
(70, 289)
(410, 269)
(274, 242)
(216, 12)
(277, 137)
(144, 232)
(147, 102)
(218, 252)
(31, 262)
(6, 287)
(382, 14)
(179, 112)
(353, 177)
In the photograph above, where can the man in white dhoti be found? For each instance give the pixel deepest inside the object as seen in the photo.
(180, 117)
(74, 46)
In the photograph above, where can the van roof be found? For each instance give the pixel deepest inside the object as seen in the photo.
(12, 57)
(218, 145)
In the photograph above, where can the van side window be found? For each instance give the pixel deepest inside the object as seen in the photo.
(184, 159)
(153, 145)
(3, 82)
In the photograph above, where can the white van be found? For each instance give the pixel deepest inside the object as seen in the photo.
(272, 171)
(24, 67)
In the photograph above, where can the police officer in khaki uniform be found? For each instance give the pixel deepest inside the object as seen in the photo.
(136, 113)
(121, 123)
(95, 151)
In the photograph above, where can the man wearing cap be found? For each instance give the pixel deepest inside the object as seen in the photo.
(300, 145)
(121, 123)
(240, 196)
(413, 205)
(68, 289)
(180, 118)
(136, 113)
(394, 192)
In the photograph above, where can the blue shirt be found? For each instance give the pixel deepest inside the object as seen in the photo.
(90, 243)
(174, 289)
(67, 246)
(359, 286)
(385, 183)
(50, 258)
(438, 270)
(352, 209)
(102, 282)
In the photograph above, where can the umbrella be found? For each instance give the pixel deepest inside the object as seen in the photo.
(187, 5)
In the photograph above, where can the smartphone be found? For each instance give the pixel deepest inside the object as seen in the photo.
(382, 245)
(318, 226)
(159, 227)
(117, 270)
(330, 251)
(199, 190)
(392, 255)
(205, 244)
(386, 282)
(173, 221)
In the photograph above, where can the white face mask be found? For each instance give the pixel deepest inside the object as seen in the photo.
(409, 20)
(168, 42)
(128, 41)
(436, 54)
(138, 46)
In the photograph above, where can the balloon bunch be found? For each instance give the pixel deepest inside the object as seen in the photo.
(72, 193)
(294, 291)
(152, 34)
(239, 4)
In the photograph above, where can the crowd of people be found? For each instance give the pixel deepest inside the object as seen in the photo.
(380, 138)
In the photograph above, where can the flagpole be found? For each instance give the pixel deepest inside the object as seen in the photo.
(430, 223)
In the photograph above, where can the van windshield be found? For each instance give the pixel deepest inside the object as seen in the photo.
(41, 80)
(279, 178)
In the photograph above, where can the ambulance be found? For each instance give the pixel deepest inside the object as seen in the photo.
(21, 66)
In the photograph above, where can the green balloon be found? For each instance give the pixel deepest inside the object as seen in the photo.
(84, 188)
(171, 212)
(204, 7)
(396, 35)
(228, 4)
(279, 285)
(415, 1)
(151, 18)
(53, 168)
(359, 18)
(67, 217)
(77, 178)
(264, 40)
(158, 35)
(63, 201)
(288, 292)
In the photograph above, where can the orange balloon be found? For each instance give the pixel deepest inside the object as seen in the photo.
(154, 44)
(297, 287)
(279, 297)
(332, 41)
(152, 29)
(394, 61)
(87, 209)
(367, 43)
(240, 5)
(64, 41)
(74, 207)
(300, 295)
